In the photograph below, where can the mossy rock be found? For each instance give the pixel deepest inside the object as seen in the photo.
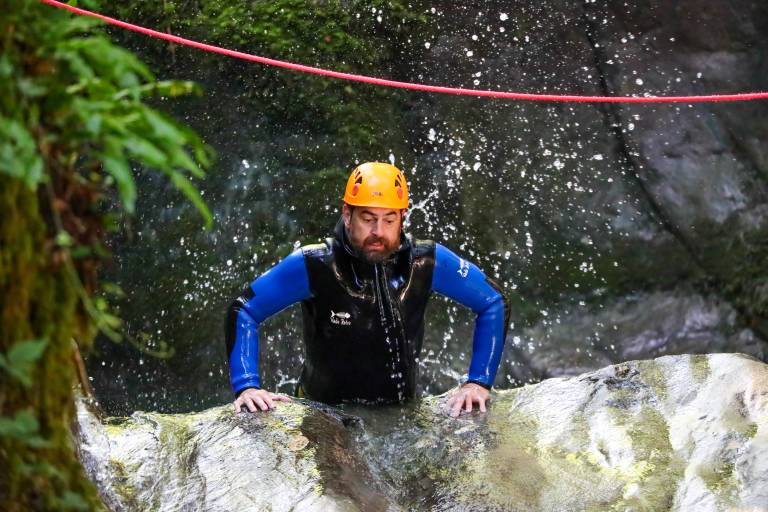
(643, 435)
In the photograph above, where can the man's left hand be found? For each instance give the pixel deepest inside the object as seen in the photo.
(467, 395)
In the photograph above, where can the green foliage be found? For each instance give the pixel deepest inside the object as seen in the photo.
(23, 427)
(76, 91)
(75, 128)
(329, 34)
(20, 359)
(18, 154)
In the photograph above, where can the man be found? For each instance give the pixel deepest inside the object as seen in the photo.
(363, 294)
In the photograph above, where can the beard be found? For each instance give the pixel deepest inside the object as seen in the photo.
(380, 253)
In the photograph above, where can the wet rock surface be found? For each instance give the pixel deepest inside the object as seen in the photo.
(639, 326)
(298, 457)
(675, 433)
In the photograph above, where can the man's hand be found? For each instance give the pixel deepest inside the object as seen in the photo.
(467, 395)
(255, 399)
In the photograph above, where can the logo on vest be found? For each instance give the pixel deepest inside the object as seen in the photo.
(463, 267)
(340, 318)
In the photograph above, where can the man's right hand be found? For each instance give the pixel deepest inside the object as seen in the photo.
(255, 399)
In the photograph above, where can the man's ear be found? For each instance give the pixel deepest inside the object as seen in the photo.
(346, 214)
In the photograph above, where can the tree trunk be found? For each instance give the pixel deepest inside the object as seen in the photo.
(38, 301)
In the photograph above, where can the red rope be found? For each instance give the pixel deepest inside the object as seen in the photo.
(408, 85)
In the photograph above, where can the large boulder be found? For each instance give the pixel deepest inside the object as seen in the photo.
(643, 325)
(298, 457)
(674, 433)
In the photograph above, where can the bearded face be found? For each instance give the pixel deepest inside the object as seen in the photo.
(373, 232)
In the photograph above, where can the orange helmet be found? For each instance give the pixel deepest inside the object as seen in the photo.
(377, 184)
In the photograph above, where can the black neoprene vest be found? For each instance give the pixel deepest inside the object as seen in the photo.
(364, 324)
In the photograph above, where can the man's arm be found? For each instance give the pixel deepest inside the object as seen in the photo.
(464, 282)
(282, 285)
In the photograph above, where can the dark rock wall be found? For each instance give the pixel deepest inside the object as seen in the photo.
(578, 209)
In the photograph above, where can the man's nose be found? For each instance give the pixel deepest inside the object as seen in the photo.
(376, 227)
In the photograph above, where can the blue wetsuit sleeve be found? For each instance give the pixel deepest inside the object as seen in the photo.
(276, 289)
(464, 282)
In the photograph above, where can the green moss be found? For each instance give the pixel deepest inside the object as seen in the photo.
(658, 468)
(68, 102)
(652, 374)
(38, 302)
(650, 435)
(123, 488)
(743, 269)
(580, 430)
(651, 482)
(721, 480)
(717, 478)
(508, 463)
(525, 474)
(699, 367)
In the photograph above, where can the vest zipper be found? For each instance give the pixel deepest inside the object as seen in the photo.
(394, 332)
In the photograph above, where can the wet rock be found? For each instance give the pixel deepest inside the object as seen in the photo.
(633, 195)
(639, 326)
(676, 433)
(701, 168)
(297, 457)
